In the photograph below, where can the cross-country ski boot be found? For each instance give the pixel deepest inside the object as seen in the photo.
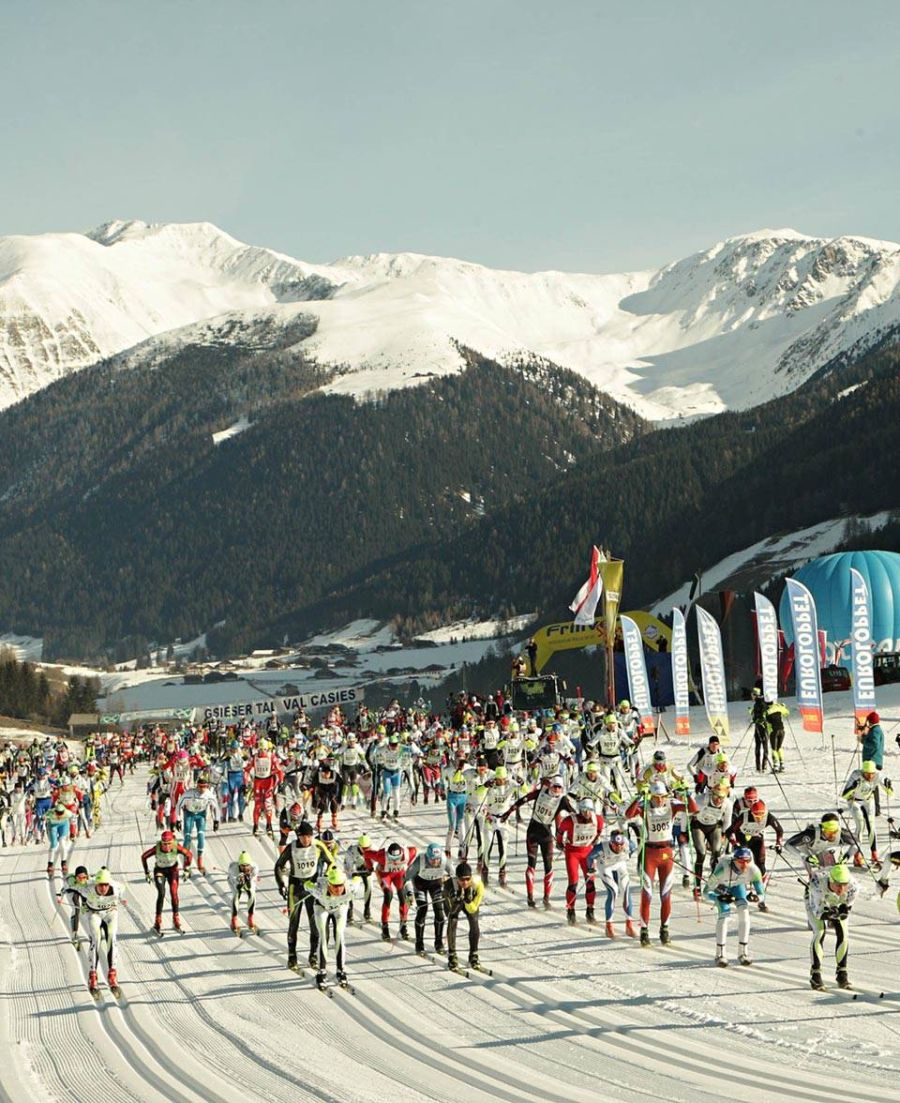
(645, 937)
(113, 981)
(815, 980)
(664, 936)
(744, 955)
(404, 932)
(590, 918)
(92, 981)
(176, 923)
(629, 929)
(685, 881)
(385, 933)
(50, 869)
(570, 917)
(235, 926)
(452, 961)
(721, 959)
(313, 959)
(843, 981)
(503, 878)
(610, 929)
(320, 981)
(341, 978)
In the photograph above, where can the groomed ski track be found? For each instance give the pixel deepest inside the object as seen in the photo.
(568, 1015)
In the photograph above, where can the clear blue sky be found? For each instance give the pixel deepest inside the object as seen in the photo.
(578, 134)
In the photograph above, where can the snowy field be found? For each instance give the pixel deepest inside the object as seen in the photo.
(567, 1016)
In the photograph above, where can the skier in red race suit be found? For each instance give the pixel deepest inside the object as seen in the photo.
(577, 835)
(264, 770)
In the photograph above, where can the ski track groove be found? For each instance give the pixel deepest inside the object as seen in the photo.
(390, 1004)
(98, 1035)
(764, 1077)
(284, 1010)
(397, 1039)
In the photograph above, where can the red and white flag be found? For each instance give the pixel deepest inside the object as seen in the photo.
(586, 600)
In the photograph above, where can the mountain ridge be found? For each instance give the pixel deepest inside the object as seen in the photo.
(747, 319)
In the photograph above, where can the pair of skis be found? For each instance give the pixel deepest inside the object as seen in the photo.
(460, 970)
(329, 989)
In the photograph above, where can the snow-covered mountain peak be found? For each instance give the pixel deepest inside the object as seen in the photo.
(729, 326)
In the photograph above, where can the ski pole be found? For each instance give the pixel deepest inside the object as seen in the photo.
(796, 744)
(866, 865)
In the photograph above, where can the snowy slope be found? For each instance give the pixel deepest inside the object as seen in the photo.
(752, 567)
(729, 327)
(568, 1017)
(67, 300)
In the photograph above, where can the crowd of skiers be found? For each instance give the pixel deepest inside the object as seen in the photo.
(580, 782)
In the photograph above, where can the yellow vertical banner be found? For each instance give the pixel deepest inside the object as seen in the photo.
(612, 572)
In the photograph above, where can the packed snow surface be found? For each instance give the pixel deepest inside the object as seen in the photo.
(750, 318)
(568, 1017)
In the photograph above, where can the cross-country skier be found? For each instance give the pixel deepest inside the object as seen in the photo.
(734, 881)
(58, 822)
(425, 876)
(243, 877)
(101, 903)
(576, 836)
(708, 827)
(860, 792)
(822, 844)
(828, 904)
(331, 899)
(549, 802)
(390, 865)
(462, 894)
(612, 858)
(166, 854)
(658, 812)
(193, 807)
(300, 860)
(748, 828)
(76, 888)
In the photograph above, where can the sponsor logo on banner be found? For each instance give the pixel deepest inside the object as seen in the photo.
(712, 665)
(680, 674)
(861, 638)
(263, 708)
(636, 667)
(767, 632)
(806, 655)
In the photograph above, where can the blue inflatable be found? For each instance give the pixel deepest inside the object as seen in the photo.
(828, 580)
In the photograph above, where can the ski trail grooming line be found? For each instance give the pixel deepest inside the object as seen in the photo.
(255, 1061)
(170, 1071)
(687, 1058)
(399, 1037)
(70, 1034)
